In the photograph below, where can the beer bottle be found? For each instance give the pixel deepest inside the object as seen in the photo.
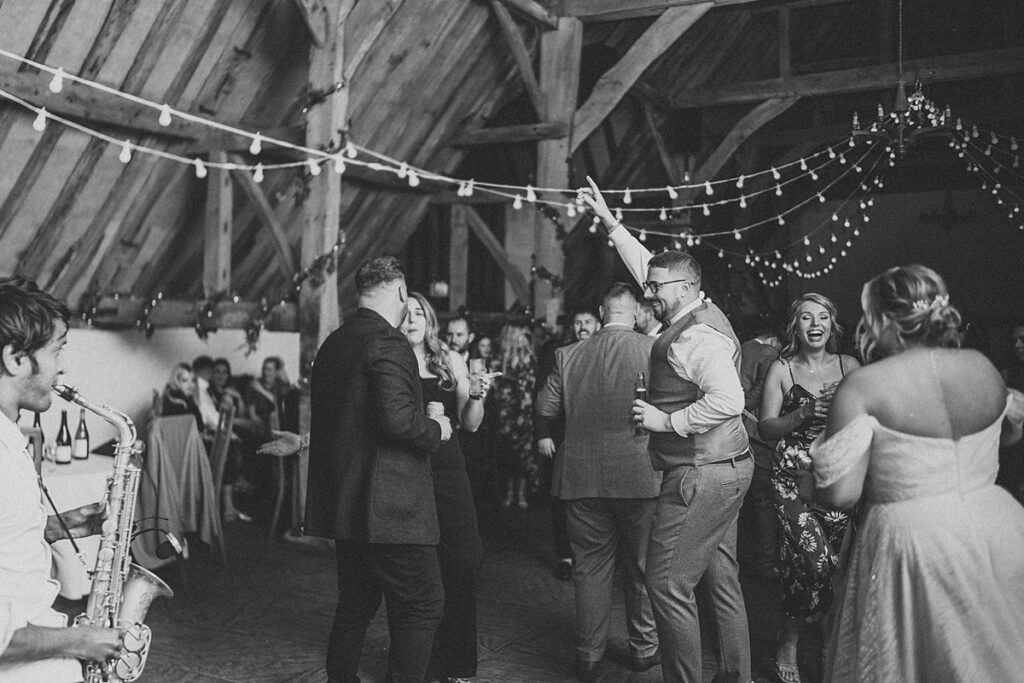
(62, 453)
(640, 393)
(80, 447)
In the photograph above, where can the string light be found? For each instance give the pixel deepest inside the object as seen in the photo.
(314, 167)
(339, 164)
(531, 196)
(257, 175)
(126, 152)
(627, 197)
(672, 194)
(39, 125)
(256, 146)
(200, 167)
(57, 83)
(517, 203)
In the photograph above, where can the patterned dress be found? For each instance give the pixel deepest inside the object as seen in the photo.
(513, 397)
(811, 537)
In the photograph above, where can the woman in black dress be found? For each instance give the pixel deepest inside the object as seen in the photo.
(445, 378)
(794, 406)
(179, 395)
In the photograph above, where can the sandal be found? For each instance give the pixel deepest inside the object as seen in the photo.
(785, 673)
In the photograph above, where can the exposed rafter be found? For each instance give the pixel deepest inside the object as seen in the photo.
(521, 55)
(535, 11)
(514, 276)
(518, 133)
(931, 69)
(609, 10)
(617, 81)
(267, 216)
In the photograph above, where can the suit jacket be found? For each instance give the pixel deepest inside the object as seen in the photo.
(593, 382)
(755, 360)
(370, 441)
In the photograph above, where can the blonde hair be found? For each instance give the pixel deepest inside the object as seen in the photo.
(516, 347)
(913, 302)
(437, 351)
(792, 346)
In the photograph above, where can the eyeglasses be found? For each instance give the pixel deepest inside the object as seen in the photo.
(656, 286)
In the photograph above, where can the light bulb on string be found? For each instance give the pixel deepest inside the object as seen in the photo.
(821, 248)
(807, 241)
(531, 196)
(778, 190)
(57, 82)
(821, 198)
(843, 253)
(775, 173)
(314, 167)
(721, 254)
(663, 214)
(350, 150)
(846, 224)
(165, 115)
(643, 236)
(803, 164)
(842, 158)
(469, 187)
(690, 241)
(200, 167)
(517, 203)
(834, 239)
(708, 189)
(831, 153)
(782, 221)
(39, 125)
(403, 170)
(814, 175)
(126, 152)
(256, 146)
(736, 235)
(707, 210)
(414, 179)
(339, 164)
(257, 174)
(672, 194)
(592, 229)
(570, 210)
(627, 197)
(743, 201)
(739, 182)
(618, 214)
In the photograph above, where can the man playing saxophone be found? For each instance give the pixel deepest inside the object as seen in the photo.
(35, 642)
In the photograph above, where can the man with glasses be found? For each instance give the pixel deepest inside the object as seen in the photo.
(699, 443)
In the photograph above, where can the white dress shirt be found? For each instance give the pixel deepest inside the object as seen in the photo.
(701, 354)
(27, 591)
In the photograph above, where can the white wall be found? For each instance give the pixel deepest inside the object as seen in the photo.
(121, 369)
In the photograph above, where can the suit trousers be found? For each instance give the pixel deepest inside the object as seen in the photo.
(596, 528)
(409, 580)
(693, 539)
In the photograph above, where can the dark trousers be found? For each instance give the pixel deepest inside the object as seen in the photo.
(409, 580)
(460, 554)
(559, 530)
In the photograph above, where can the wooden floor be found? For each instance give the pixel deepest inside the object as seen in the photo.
(265, 615)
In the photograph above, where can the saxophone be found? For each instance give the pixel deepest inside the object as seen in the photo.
(121, 591)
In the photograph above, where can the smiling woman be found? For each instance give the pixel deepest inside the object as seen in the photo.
(797, 393)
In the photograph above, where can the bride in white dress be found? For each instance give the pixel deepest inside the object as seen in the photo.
(933, 585)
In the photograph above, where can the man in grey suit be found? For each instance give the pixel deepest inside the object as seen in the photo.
(605, 477)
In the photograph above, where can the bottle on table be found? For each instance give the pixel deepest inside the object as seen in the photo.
(38, 424)
(80, 446)
(62, 452)
(640, 393)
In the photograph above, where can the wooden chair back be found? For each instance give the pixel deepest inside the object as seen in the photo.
(221, 446)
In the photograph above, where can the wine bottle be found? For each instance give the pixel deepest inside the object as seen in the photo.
(640, 393)
(38, 424)
(80, 447)
(62, 453)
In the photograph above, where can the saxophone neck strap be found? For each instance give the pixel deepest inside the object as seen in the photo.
(60, 520)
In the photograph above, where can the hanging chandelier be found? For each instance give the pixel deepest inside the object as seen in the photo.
(911, 118)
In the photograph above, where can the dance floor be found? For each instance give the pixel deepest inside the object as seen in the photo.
(265, 614)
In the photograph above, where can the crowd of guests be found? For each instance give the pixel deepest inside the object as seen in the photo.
(205, 387)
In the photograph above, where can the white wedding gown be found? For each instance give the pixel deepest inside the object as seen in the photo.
(932, 588)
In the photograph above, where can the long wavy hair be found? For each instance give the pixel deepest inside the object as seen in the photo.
(438, 361)
(913, 302)
(792, 345)
(515, 348)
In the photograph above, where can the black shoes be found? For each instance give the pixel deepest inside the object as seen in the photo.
(563, 570)
(586, 671)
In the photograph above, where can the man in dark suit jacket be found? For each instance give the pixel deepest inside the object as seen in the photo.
(604, 475)
(370, 487)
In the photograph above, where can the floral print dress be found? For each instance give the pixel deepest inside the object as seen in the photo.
(513, 396)
(811, 537)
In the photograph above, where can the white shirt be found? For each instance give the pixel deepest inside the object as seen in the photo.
(27, 591)
(701, 354)
(207, 407)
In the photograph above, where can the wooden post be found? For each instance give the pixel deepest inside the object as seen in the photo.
(319, 314)
(217, 254)
(458, 258)
(559, 80)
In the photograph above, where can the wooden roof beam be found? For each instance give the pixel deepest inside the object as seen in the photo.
(516, 278)
(930, 69)
(521, 55)
(616, 10)
(617, 81)
(124, 312)
(267, 216)
(517, 133)
(217, 250)
(535, 11)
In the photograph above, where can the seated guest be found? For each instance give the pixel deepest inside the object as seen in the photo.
(271, 394)
(243, 438)
(179, 395)
(202, 366)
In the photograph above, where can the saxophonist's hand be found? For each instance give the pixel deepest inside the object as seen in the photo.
(94, 643)
(81, 522)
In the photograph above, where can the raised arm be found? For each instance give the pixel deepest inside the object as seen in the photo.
(634, 254)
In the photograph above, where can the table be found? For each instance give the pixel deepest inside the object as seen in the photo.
(81, 483)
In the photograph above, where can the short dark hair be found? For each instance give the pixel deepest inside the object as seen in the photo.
(276, 360)
(676, 261)
(586, 311)
(202, 363)
(222, 361)
(617, 290)
(28, 316)
(378, 271)
(464, 317)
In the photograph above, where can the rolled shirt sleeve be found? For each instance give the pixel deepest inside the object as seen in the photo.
(704, 356)
(633, 254)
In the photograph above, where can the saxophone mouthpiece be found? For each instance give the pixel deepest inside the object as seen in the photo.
(65, 392)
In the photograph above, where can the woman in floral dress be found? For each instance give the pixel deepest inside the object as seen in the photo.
(513, 397)
(797, 392)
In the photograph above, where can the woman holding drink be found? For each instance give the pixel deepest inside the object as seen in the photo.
(794, 406)
(449, 389)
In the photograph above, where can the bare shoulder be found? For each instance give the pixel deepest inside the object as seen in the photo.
(849, 361)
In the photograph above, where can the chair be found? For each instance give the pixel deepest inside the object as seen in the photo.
(282, 479)
(219, 451)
